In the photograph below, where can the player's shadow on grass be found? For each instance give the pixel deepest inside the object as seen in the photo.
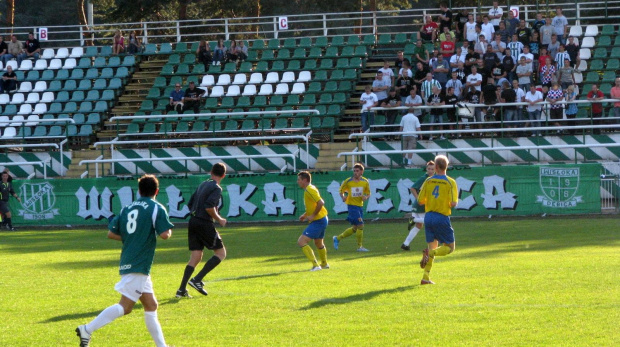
(354, 298)
(249, 277)
(71, 316)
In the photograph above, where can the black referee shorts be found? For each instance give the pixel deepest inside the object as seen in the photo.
(4, 207)
(201, 234)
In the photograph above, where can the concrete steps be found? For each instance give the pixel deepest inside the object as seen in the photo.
(328, 155)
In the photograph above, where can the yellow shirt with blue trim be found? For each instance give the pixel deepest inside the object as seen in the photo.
(355, 190)
(311, 199)
(437, 194)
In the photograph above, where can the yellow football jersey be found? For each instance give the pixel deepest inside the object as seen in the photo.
(311, 198)
(437, 192)
(355, 190)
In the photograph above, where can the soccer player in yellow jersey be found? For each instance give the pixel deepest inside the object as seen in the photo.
(354, 191)
(316, 214)
(439, 194)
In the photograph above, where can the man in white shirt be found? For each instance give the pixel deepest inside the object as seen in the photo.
(470, 29)
(456, 84)
(498, 46)
(487, 28)
(529, 57)
(560, 25)
(409, 124)
(388, 73)
(457, 57)
(534, 98)
(380, 87)
(474, 79)
(368, 100)
(495, 14)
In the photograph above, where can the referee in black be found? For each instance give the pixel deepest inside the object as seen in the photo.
(201, 232)
(6, 191)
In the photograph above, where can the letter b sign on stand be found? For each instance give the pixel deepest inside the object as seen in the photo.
(42, 34)
(283, 23)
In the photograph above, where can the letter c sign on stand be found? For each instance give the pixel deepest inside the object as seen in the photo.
(283, 23)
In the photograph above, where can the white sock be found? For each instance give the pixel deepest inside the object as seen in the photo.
(105, 317)
(152, 324)
(419, 220)
(412, 233)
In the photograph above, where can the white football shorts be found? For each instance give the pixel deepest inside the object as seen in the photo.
(133, 285)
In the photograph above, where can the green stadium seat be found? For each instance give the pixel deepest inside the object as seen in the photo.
(181, 47)
(604, 41)
(401, 39)
(149, 128)
(342, 63)
(617, 41)
(76, 74)
(62, 96)
(189, 59)
(245, 67)
(305, 42)
(320, 75)
(147, 106)
(54, 108)
(260, 101)
(608, 29)
(298, 122)
(86, 107)
(105, 51)
(211, 103)
(345, 86)
(331, 52)
(48, 75)
(258, 44)
(331, 86)
(350, 74)
(309, 100)
(326, 64)
(592, 77)
(100, 63)
(198, 126)
(315, 53)
(93, 95)
(101, 107)
(192, 79)
(100, 84)
(79, 118)
(60, 75)
(310, 65)
(150, 49)
(70, 85)
(70, 107)
(252, 56)
(339, 98)
(369, 40)
(276, 100)
(174, 59)
(92, 73)
(243, 101)
(615, 53)
(33, 76)
(293, 65)
(84, 85)
(321, 42)
(299, 53)
(605, 88)
(273, 44)
(108, 95)
(10, 110)
(337, 41)
(277, 65)
(165, 48)
(78, 96)
(231, 125)
(122, 72)
(94, 119)
(114, 62)
(198, 69)
(348, 52)
(24, 132)
(597, 64)
(289, 43)
(262, 66)
(227, 102)
(608, 77)
(314, 87)
(600, 53)
(292, 100)
(54, 86)
(91, 51)
(129, 61)
(361, 51)
(267, 55)
(167, 70)
(353, 40)
(160, 82)
(183, 69)
(84, 63)
(385, 39)
(39, 131)
(230, 68)
(284, 54)
(613, 64)
(281, 123)
(356, 63)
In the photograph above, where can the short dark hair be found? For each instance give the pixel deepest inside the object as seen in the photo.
(305, 175)
(148, 185)
(218, 169)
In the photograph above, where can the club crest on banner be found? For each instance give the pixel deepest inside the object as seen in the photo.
(38, 201)
(559, 186)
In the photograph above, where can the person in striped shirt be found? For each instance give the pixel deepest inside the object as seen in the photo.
(427, 86)
(560, 56)
(515, 46)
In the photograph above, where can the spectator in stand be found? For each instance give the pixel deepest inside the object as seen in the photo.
(428, 31)
(413, 101)
(460, 19)
(9, 80)
(472, 96)
(523, 33)
(538, 23)
(470, 30)
(478, 33)
(554, 96)
(510, 65)
(562, 57)
(403, 85)
(191, 98)
(554, 46)
(533, 97)
(436, 99)
(391, 102)
(560, 25)
(520, 98)
(481, 46)
(487, 28)
(204, 54)
(428, 85)
(14, 50)
(409, 124)
(490, 96)
(461, 74)
(118, 43)
(231, 55)
(135, 46)
(548, 73)
(380, 87)
(498, 46)
(447, 47)
(495, 15)
(446, 31)
(219, 53)
(474, 79)
(433, 58)
(420, 75)
(451, 99)
(242, 51)
(535, 45)
(420, 54)
(572, 48)
(441, 69)
(457, 57)
(490, 61)
(511, 23)
(503, 33)
(546, 31)
(4, 48)
(515, 47)
(529, 57)
(524, 74)
(571, 107)
(597, 108)
(509, 113)
(388, 73)
(406, 67)
(176, 99)
(455, 84)
(400, 59)
(499, 75)
(32, 49)
(368, 100)
(542, 58)
(615, 94)
(445, 18)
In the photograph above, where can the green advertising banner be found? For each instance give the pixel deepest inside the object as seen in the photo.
(500, 190)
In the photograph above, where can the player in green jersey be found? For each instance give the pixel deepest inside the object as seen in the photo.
(137, 226)
(416, 222)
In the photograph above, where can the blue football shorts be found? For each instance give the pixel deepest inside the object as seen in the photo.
(438, 227)
(316, 229)
(356, 215)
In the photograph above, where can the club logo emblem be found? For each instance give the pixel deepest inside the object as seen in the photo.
(559, 186)
(38, 201)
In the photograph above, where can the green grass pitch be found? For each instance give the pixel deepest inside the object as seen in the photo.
(511, 282)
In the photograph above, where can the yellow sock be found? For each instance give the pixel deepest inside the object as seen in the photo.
(346, 233)
(427, 269)
(443, 250)
(309, 254)
(359, 235)
(322, 255)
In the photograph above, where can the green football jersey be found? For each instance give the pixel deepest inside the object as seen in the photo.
(417, 208)
(139, 224)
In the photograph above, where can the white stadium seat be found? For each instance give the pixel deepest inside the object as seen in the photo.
(217, 92)
(298, 88)
(583, 66)
(55, 64)
(588, 42)
(11, 63)
(9, 132)
(240, 78)
(223, 80)
(4, 99)
(575, 31)
(70, 63)
(48, 53)
(578, 77)
(4, 121)
(62, 53)
(272, 77)
(17, 121)
(304, 76)
(32, 98)
(256, 78)
(281, 89)
(233, 91)
(33, 120)
(40, 109)
(40, 86)
(266, 89)
(25, 87)
(288, 77)
(41, 64)
(585, 54)
(18, 98)
(77, 52)
(25, 109)
(26, 65)
(249, 90)
(207, 81)
(591, 30)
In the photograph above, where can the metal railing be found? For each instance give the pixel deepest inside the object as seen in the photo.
(42, 163)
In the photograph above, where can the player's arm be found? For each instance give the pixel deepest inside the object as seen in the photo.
(455, 194)
(421, 196)
(344, 191)
(166, 234)
(114, 236)
(114, 232)
(415, 192)
(212, 211)
(366, 192)
(317, 209)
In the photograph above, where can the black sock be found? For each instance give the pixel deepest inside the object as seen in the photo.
(189, 270)
(8, 222)
(210, 265)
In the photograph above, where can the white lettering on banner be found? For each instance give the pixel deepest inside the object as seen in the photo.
(125, 195)
(175, 198)
(465, 185)
(94, 205)
(495, 192)
(275, 199)
(406, 197)
(240, 201)
(334, 190)
(376, 202)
